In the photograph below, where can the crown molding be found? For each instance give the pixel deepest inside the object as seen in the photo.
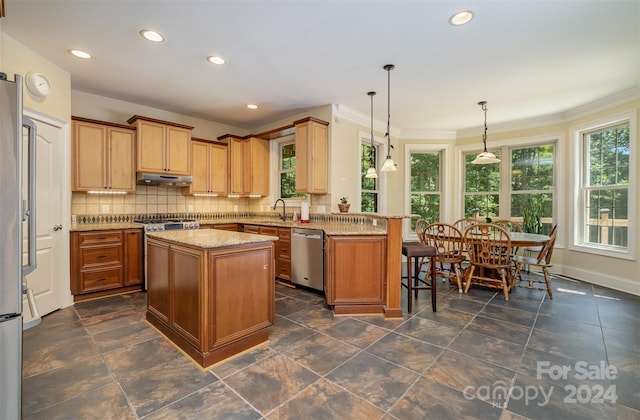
(350, 114)
(602, 104)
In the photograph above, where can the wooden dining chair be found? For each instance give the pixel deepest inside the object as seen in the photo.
(464, 223)
(449, 243)
(489, 248)
(543, 261)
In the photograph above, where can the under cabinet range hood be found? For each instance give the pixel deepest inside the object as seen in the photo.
(144, 178)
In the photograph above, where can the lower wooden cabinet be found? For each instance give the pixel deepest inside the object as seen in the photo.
(106, 262)
(355, 270)
(212, 303)
(283, 247)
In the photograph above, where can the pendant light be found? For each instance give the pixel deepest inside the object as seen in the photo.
(485, 157)
(389, 164)
(371, 172)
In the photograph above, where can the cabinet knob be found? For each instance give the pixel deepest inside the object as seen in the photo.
(57, 227)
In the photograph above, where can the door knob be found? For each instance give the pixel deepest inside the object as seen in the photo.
(57, 227)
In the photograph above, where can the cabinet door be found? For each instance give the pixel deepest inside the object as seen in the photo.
(241, 296)
(89, 157)
(133, 263)
(158, 289)
(236, 165)
(258, 164)
(151, 147)
(218, 168)
(178, 157)
(121, 168)
(312, 151)
(200, 168)
(356, 270)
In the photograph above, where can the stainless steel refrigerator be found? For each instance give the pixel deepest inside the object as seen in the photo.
(17, 231)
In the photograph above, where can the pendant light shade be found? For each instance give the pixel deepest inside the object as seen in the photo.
(485, 157)
(371, 172)
(388, 165)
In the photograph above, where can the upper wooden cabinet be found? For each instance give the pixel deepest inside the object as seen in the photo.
(162, 147)
(248, 165)
(102, 156)
(209, 168)
(312, 151)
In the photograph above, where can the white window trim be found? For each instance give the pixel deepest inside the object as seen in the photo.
(275, 174)
(558, 175)
(365, 138)
(576, 241)
(446, 181)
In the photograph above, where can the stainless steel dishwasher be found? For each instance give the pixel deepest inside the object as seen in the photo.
(307, 258)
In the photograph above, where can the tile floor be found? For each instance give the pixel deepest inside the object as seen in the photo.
(477, 357)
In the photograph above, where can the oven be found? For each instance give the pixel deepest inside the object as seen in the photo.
(159, 225)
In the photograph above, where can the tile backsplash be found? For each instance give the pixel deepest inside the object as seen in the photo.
(163, 200)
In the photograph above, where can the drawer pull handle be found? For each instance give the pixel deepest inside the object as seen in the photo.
(101, 256)
(102, 279)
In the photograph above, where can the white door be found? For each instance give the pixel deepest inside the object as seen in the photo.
(49, 279)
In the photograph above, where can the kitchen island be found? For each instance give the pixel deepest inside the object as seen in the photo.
(211, 292)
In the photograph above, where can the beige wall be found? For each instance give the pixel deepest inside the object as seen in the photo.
(16, 58)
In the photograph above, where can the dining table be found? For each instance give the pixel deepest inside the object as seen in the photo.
(524, 239)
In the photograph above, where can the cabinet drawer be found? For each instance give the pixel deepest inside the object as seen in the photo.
(89, 238)
(284, 234)
(284, 249)
(92, 281)
(105, 254)
(284, 269)
(252, 229)
(271, 231)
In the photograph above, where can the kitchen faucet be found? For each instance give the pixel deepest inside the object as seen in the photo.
(284, 209)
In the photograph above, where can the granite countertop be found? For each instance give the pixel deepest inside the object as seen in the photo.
(210, 238)
(328, 227)
(104, 226)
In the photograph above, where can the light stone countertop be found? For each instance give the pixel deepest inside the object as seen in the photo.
(329, 228)
(104, 226)
(210, 238)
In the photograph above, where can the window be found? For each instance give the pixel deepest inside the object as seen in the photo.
(532, 187)
(605, 186)
(425, 181)
(521, 187)
(287, 170)
(481, 187)
(369, 194)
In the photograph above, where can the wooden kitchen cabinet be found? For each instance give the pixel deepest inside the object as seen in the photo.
(282, 247)
(283, 263)
(212, 303)
(162, 147)
(355, 272)
(102, 156)
(105, 262)
(312, 153)
(209, 168)
(248, 165)
(133, 242)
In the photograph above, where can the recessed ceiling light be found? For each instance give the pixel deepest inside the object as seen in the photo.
(216, 59)
(80, 53)
(152, 36)
(252, 106)
(461, 18)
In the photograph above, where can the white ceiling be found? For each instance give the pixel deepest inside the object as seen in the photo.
(526, 58)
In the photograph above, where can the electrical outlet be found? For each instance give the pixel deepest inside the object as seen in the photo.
(374, 222)
(190, 208)
(105, 208)
(235, 208)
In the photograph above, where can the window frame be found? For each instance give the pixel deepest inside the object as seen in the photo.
(577, 241)
(446, 180)
(365, 139)
(505, 147)
(276, 146)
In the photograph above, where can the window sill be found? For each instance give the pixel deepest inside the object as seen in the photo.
(619, 253)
